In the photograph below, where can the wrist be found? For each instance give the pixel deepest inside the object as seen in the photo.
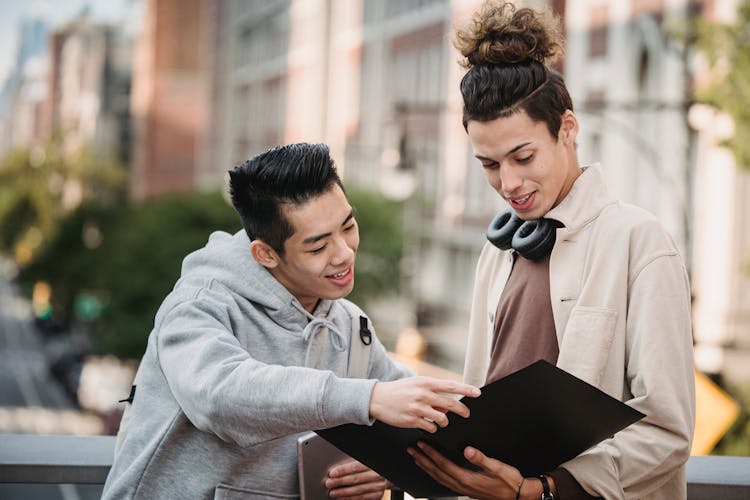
(547, 493)
(374, 398)
(532, 488)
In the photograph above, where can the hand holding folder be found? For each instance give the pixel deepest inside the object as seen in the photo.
(534, 419)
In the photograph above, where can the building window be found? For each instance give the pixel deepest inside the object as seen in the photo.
(598, 30)
(263, 40)
(598, 41)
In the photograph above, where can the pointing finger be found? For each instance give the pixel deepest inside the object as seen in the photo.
(451, 387)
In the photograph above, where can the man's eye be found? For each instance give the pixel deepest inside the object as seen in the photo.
(317, 250)
(349, 227)
(490, 165)
(525, 159)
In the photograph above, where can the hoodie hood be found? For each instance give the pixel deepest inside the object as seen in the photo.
(226, 260)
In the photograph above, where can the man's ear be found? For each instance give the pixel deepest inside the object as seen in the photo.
(264, 254)
(569, 127)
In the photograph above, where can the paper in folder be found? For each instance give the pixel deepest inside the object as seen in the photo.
(534, 419)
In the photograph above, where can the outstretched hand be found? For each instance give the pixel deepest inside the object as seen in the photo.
(494, 480)
(419, 402)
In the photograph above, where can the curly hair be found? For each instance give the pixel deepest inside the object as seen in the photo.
(502, 34)
(507, 52)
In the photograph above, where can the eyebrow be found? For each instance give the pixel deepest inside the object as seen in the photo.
(318, 237)
(520, 146)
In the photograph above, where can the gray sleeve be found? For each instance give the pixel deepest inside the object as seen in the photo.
(223, 390)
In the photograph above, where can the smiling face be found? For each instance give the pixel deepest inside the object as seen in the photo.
(532, 170)
(318, 260)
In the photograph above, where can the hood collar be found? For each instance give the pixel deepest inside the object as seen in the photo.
(226, 259)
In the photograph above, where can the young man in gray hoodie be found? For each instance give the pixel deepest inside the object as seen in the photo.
(256, 344)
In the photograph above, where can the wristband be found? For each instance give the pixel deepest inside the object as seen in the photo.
(546, 493)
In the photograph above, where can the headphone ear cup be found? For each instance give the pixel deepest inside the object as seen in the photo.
(535, 238)
(502, 228)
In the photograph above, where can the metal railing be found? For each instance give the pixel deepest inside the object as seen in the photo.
(26, 458)
(87, 459)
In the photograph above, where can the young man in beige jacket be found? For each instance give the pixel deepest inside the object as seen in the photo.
(604, 294)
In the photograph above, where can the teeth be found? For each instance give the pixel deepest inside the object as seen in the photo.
(521, 200)
(341, 275)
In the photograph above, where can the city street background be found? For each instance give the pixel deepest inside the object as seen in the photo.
(119, 120)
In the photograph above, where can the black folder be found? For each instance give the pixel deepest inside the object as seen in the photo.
(534, 419)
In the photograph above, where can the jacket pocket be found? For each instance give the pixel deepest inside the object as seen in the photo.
(587, 341)
(227, 492)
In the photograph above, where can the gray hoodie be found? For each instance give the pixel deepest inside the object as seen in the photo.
(234, 371)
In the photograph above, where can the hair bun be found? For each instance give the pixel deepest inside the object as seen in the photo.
(501, 34)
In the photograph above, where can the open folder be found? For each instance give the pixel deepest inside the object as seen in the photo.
(534, 419)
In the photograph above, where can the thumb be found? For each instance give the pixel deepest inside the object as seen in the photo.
(479, 459)
(488, 464)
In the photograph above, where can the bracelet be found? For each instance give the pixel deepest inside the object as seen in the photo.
(518, 493)
(546, 493)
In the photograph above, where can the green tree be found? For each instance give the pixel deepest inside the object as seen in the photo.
(127, 258)
(71, 260)
(381, 242)
(142, 255)
(727, 49)
(39, 185)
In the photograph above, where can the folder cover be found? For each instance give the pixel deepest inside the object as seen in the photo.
(534, 419)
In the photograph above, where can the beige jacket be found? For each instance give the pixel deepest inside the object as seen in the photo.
(621, 305)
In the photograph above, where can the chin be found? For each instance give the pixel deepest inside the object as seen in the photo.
(537, 213)
(346, 291)
(337, 294)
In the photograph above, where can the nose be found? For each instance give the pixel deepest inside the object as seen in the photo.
(343, 251)
(510, 181)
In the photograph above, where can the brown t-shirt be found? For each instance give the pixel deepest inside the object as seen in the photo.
(524, 332)
(524, 324)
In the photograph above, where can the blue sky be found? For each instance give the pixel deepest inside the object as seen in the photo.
(56, 12)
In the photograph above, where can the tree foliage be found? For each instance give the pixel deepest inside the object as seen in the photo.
(381, 243)
(727, 48)
(134, 266)
(39, 185)
(135, 260)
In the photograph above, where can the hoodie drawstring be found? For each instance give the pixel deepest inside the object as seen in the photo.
(317, 324)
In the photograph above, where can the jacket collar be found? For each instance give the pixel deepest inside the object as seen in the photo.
(584, 202)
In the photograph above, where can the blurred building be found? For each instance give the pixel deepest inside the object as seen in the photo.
(74, 81)
(216, 81)
(170, 95)
(26, 109)
(24, 91)
(89, 87)
(378, 81)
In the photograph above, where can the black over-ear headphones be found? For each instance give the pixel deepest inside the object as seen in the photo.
(533, 239)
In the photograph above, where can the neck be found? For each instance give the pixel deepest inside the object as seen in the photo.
(310, 305)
